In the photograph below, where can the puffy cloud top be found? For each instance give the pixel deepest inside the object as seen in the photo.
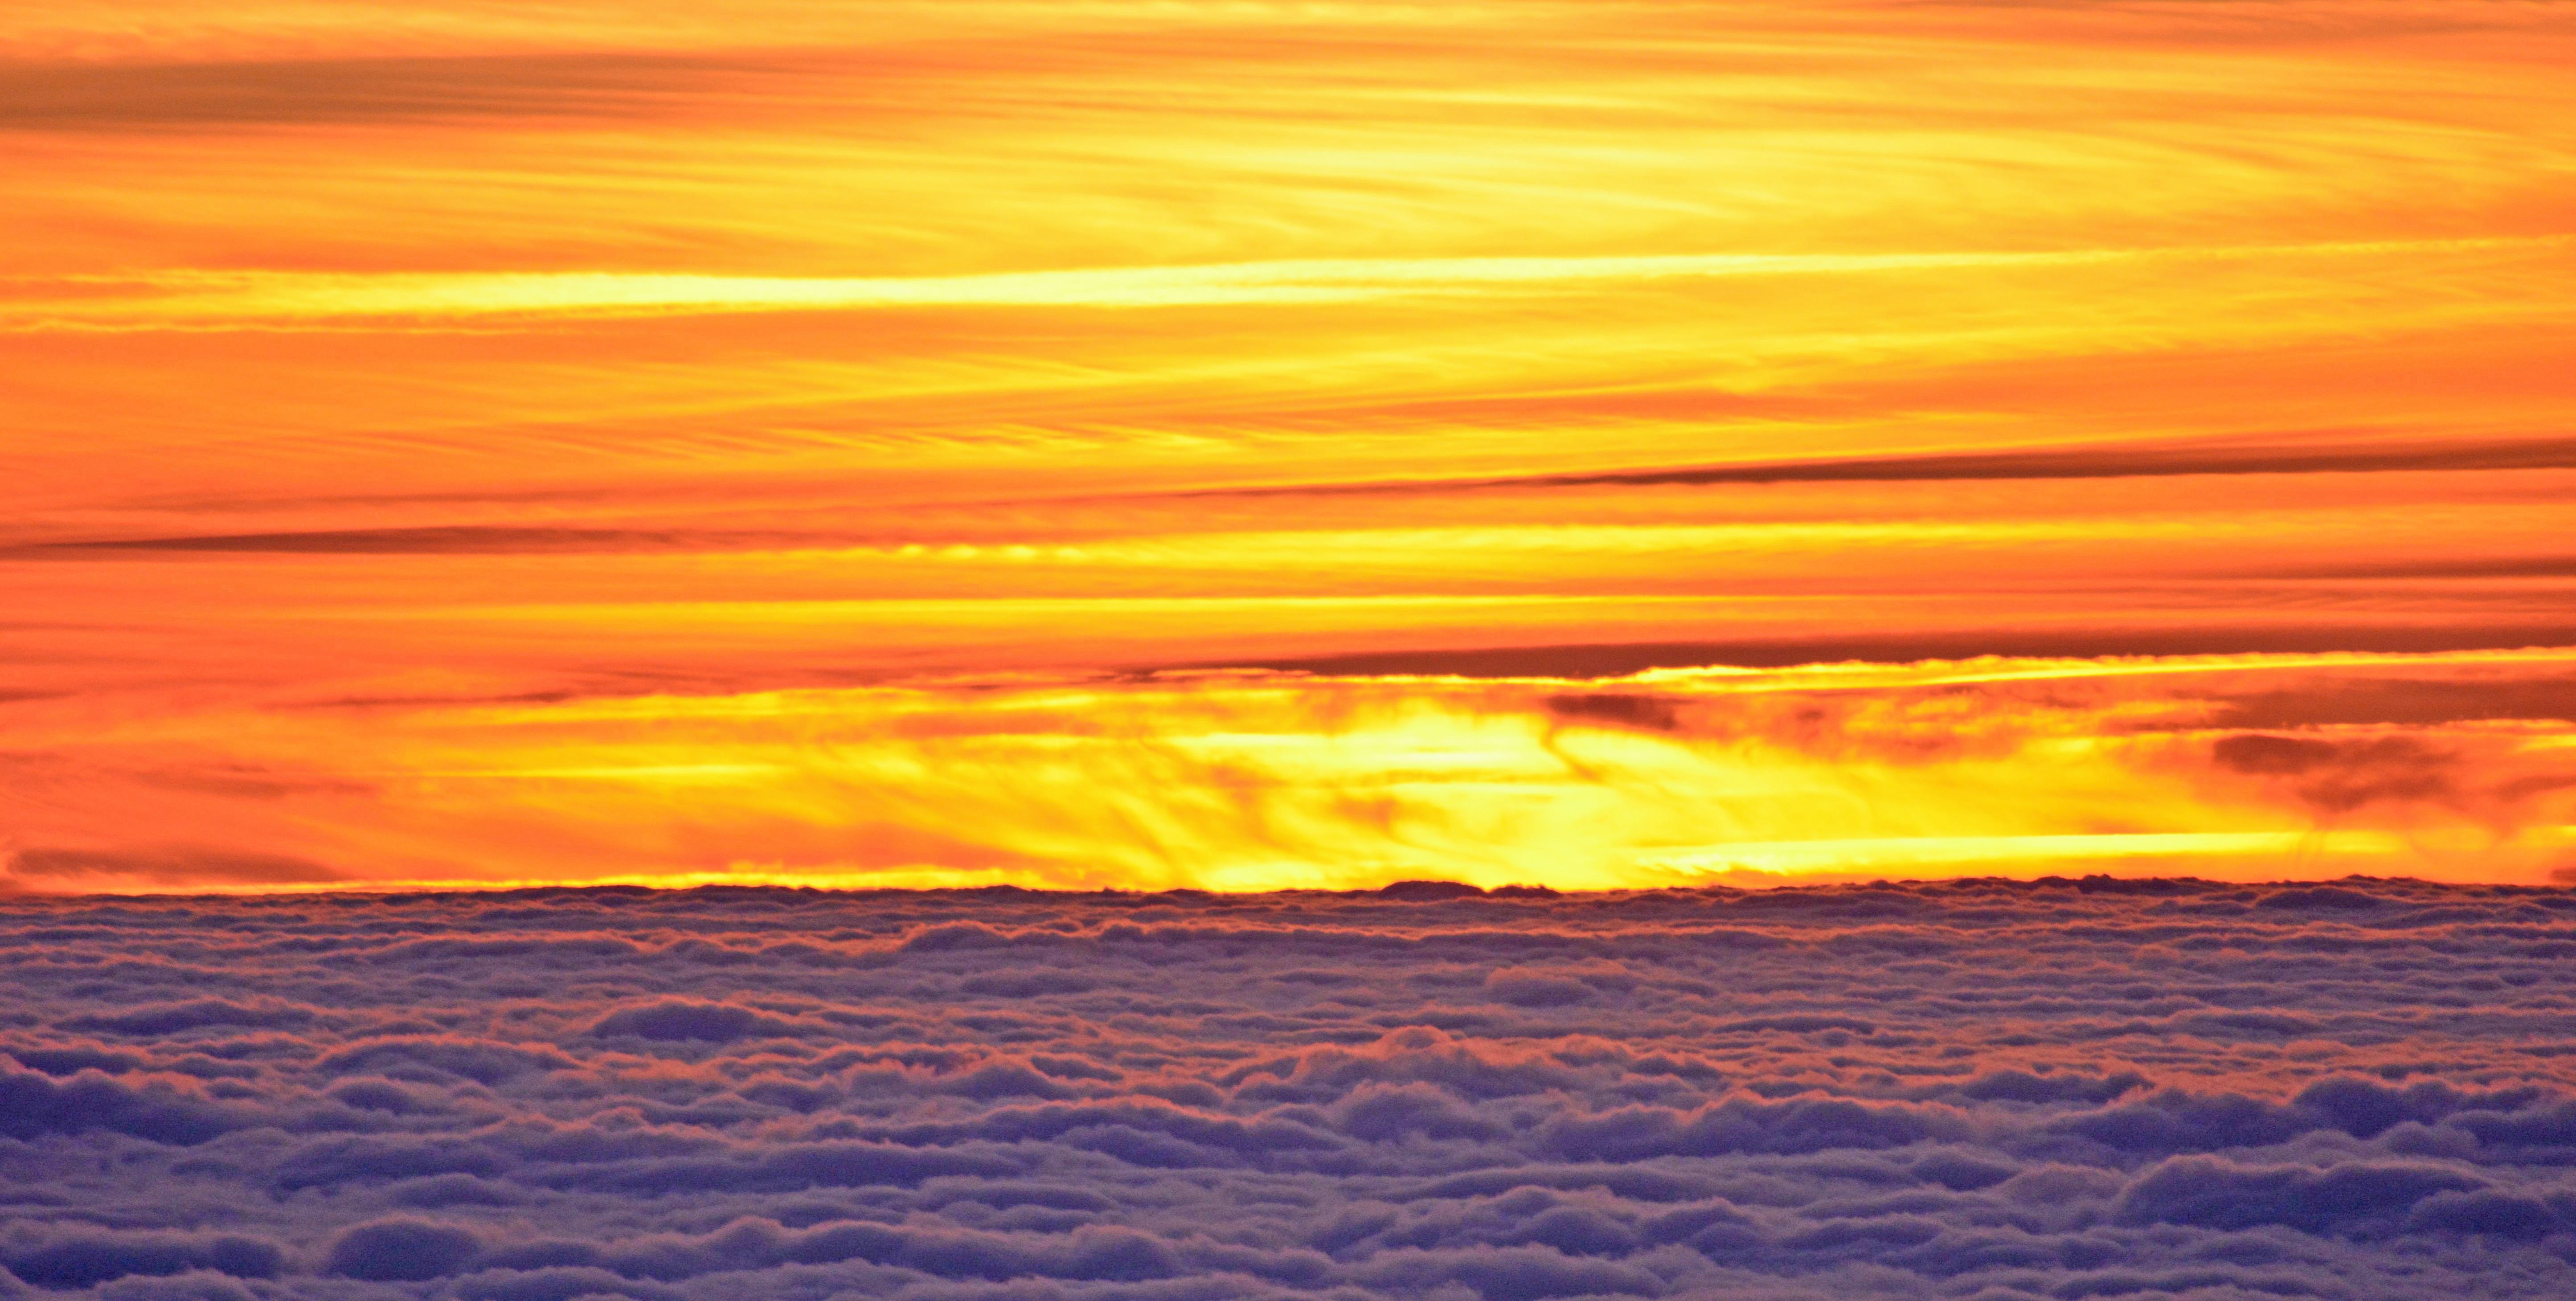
(1977, 1089)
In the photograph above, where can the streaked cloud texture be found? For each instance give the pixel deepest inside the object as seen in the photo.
(2447, 767)
(451, 441)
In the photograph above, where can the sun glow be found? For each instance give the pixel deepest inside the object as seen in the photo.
(1240, 447)
(1255, 781)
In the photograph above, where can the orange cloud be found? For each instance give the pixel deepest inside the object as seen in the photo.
(1260, 781)
(761, 372)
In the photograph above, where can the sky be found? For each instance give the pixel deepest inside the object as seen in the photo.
(1244, 446)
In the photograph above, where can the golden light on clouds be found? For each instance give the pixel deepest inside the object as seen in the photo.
(2232, 767)
(1211, 444)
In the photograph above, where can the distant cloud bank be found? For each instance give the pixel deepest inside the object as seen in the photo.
(2458, 767)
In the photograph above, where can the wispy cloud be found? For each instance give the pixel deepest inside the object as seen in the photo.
(2448, 766)
(618, 354)
(182, 298)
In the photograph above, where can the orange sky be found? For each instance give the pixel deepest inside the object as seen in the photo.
(636, 440)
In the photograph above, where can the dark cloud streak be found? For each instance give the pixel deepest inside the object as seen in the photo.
(174, 865)
(2099, 461)
(128, 97)
(1615, 659)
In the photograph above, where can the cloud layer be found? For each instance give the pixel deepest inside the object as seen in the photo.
(2458, 767)
(2002, 1091)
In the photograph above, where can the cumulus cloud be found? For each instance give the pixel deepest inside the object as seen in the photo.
(687, 1021)
(80, 1258)
(2169, 1088)
(32, 1105)
(402, 1251)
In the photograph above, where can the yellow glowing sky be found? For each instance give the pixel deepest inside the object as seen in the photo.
(1226, 444)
